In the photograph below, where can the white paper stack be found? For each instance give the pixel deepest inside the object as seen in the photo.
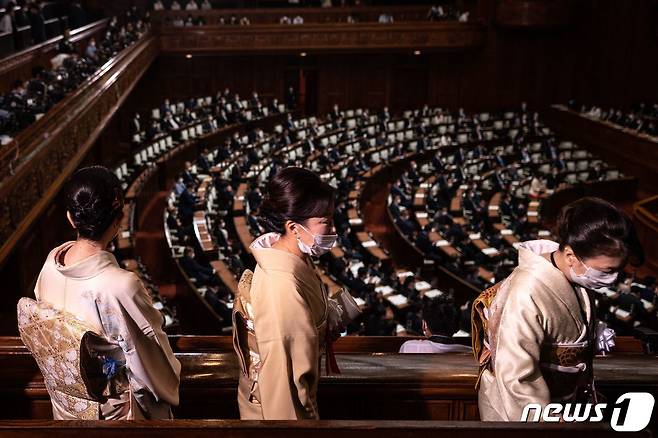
(398, 300)
(433, 293)
(384, 290)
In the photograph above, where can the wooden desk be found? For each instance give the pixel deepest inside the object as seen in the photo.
(225, 275)
(494, 205)
(239, 201)
(456, 202)
(485, 274)
(446, 247)
(371, 385)
(374, 250)
(242, 228)
(202, 233)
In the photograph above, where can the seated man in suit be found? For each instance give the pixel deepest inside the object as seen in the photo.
(188, 176)
(440, 321)
(406, 225)
(202, 161)
(204, 275)
(187, 204)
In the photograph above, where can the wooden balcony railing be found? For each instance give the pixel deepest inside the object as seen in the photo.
(322, 37)
(19, 64)
(34, 166)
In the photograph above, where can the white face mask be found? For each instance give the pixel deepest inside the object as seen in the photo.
(592, 278)
(322, 243)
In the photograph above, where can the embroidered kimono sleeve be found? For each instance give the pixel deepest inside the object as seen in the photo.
(289, 352)
(520, 334)
(129, 318)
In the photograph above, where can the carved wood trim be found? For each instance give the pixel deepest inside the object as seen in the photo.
(310, 15)
(50, 151)
(344, 37)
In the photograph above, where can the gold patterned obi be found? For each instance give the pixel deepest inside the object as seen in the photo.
(81, 370)
(566, 368)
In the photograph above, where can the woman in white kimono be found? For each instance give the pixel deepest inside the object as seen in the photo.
(534, 333)
(83, 279)
(283, 316)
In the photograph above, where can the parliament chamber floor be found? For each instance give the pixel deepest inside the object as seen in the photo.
(450, 133)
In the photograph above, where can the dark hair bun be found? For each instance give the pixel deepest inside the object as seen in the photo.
(294, 194)
(94, 199)
(594, 227)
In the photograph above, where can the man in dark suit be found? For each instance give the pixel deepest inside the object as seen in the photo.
(187, 204)
(204, 275)
(406, 225)
(202, 162)
(188, 177)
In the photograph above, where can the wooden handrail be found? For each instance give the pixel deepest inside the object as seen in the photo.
(318, 429)
(643, 214)
(36, 164)
(261, 15)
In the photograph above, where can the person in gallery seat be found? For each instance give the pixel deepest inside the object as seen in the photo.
(283, 316)
(83, 279)
(440, 321)
(535, 333)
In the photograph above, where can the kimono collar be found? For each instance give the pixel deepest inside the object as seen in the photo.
(85, 268)
(271, 259)
(530, 258)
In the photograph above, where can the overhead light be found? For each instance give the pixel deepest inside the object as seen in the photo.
(416, 52)
(188, 56)
(302, 54)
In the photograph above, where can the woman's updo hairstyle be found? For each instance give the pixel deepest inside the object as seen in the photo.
(94, 199)
(294, 194)
(594, 227)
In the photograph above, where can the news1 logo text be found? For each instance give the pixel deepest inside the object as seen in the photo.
(630, 413)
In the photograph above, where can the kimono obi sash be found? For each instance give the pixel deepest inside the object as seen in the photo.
(244, 335)
(566, 368)
(81, 370)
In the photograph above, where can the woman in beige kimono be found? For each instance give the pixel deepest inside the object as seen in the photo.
(534, 333)
(282, 312)
(83, 279)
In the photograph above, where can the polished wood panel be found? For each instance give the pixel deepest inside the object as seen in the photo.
(646, 223)
(370, 386)
(321, 37)
(345, 344)
(534, 14)
(302, 429)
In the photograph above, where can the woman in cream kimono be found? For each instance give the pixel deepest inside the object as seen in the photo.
(534, 334)
(283, 314)
(82, 278)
